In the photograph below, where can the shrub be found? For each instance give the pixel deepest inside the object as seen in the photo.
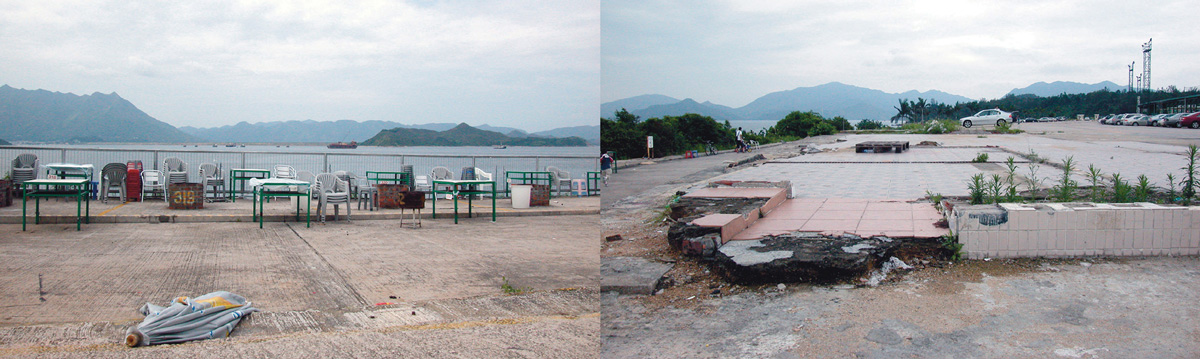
(980, 158)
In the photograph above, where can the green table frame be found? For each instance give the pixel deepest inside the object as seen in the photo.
(61, 188)
(71, 170)
(462, 187)
(390, 176)
(261, 194)
(243, 174)
(593, 183)
(527, 177)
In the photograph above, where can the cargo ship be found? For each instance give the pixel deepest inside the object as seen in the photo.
(351, 145)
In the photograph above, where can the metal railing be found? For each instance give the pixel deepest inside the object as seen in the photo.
(315, 162)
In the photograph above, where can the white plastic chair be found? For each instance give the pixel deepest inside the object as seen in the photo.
(560, 178)
(333, 191)
(24, 168)
(152, 181)
(175, 170)
(210, 176)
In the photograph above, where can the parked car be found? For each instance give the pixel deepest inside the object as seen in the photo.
(1121, 120)
(1104, 119)
(1157, 120)
(1137, 120)
(1192, 120)
(987, 117)
(1173, 119)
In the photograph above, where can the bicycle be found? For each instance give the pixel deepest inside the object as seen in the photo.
(709, 149)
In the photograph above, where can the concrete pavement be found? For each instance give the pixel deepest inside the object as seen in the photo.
(328, 284)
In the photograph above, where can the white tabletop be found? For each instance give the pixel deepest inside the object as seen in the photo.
(63, 181)
(255, 182)
(88, 168)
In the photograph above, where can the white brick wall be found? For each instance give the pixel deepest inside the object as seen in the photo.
(1081, 229)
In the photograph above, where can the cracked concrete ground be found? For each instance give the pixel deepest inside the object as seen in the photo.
(1079, 308)
(325, 291)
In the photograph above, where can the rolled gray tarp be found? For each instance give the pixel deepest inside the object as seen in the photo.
(212, 315)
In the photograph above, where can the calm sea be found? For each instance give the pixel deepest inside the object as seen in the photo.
(317, 159)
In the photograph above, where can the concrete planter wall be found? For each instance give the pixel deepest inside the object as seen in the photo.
(1076, 229)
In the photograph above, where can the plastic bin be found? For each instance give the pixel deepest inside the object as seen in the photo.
(520, 195)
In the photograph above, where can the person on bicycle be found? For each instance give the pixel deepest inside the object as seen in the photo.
(606, 163)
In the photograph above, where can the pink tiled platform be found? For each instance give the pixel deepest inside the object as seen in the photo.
(835, 216)
(734, 192)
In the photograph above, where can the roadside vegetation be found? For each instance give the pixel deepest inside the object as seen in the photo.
(1113, 188)
(625, 133)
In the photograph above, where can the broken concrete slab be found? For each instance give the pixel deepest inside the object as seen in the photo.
(792, 258)
(631, 275)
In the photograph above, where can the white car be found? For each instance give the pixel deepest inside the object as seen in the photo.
(987, 117)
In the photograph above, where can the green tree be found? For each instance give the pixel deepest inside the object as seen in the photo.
(796, 124)
(841, 123)
(823, 128)
(869, 125)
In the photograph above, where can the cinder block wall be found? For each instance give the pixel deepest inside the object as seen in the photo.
(1076, 229)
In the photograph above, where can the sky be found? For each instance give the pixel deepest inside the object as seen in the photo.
(527, 64)
(731, 52)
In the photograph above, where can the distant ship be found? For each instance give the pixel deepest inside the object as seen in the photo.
(499, 147)
(350, 145)
(231, 145)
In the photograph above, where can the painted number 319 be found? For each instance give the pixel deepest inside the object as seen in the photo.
(184, 197)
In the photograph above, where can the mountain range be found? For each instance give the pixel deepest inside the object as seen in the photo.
(348, 130)
(462, 135)
(1042, 89)
(44, 116)
(831, 99)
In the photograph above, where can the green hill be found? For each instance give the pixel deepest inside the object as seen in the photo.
(462, 135)
(44, 116)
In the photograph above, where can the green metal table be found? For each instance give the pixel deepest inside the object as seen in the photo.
(261, 193)
(244, 174)
(463, 187)
(390, 176)
(69, 187)
(527, 177)
(71, 170)
(593, 183)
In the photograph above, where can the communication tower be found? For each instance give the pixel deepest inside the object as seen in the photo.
(1146, 64)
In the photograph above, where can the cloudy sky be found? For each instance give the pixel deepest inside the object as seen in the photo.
(733, 51)
(528, 64)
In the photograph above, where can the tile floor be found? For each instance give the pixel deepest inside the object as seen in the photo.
(834, 216)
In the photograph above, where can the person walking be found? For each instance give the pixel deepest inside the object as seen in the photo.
(741, 144)
(606, 163)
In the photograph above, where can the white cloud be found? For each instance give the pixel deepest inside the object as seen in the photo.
(162, 56)
(731, 51)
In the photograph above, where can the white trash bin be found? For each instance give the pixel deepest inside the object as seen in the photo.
(520, 195)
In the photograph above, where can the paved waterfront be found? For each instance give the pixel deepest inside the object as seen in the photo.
(319, 287)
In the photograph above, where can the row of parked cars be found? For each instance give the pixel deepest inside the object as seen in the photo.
(1186, 119)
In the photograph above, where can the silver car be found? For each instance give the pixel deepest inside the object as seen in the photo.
(987, 117)
(1137, 120)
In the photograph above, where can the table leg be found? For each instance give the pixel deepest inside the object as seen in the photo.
(493, 202)
(307, 211)
(262, 212)
(433, 202)
(254, 208)
(37, 209)
(454, 197)
(78, 217)
(297, 209)
(87, 210)
(24, 206)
